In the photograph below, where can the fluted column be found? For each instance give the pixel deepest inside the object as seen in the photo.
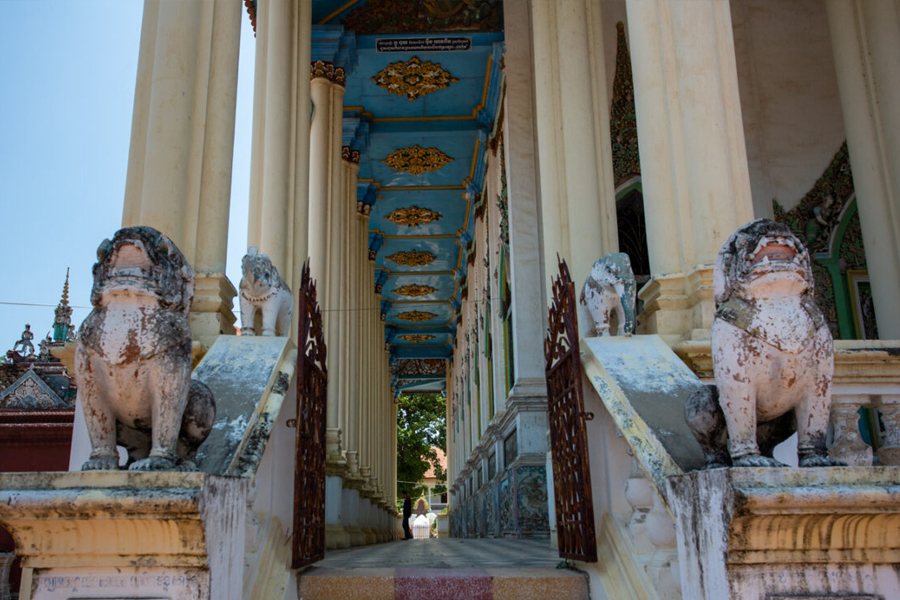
(353, 310)
(334, 318)
(182, 143)
(865, 37)
(576, 177)
(279, 167)
(693, 157)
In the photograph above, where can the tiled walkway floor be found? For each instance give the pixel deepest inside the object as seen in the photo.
(444, 553)
(444, 569)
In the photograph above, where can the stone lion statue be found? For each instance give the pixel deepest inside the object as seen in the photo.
(610, 289)
(133, 357)
(266, 301)
(772, 351)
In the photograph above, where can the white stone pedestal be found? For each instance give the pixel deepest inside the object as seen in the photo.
(763, 533)
(119, 534)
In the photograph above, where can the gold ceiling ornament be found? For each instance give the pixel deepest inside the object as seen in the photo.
(413, 78)
(416, 316)
(416, 160)
(412, 258)
(416, 337)
(414, 290)
(412, 216)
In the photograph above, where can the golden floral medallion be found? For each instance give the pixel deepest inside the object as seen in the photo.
(413, 78)
(416, 160)
(416, 337)
(412, 258)
(413, 216)
(416, 316)
(414, 290)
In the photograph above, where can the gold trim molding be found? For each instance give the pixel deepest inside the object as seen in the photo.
(414, 290)
(412, 258)
(416, 316)
(416, 160)
(413, 216)
(413, 78)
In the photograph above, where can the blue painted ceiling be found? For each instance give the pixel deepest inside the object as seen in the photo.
(451, 120)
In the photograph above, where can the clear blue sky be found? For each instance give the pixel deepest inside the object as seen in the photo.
(66, 96)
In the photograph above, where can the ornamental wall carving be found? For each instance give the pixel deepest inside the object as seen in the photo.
(414, 290)
(413, 78)
(413, 216)
(416, 316)
(416, 160)
(412, 258)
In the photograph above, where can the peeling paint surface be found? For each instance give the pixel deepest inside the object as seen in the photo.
(240, 371)
(643, 373)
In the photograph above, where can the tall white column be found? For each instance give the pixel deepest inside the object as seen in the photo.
(694, 170)
(182, 142)
(578, 208)
(865, 37)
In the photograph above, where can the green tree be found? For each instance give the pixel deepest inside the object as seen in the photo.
(421, 426)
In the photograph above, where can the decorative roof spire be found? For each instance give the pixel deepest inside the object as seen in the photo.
(62, 323)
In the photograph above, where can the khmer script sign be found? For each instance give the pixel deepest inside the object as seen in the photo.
(442, 44)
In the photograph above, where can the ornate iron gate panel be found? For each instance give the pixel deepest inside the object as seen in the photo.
(568, 435)
(309, 468)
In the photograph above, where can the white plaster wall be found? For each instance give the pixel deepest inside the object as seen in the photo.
(789, 97)
(273, 486)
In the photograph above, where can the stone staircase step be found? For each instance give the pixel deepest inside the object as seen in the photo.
(420, 583)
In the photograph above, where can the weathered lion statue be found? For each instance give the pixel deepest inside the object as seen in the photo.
(610, 289)
(133, 357)
(772, 351)
(266, 300)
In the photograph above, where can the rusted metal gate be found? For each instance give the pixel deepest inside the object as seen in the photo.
(309, 468)
(568, 437)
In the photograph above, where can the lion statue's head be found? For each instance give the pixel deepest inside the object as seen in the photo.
(760, 255)
(143, 260)
(260, 276)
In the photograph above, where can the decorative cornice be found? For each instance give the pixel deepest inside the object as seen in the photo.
(416, 337)
(320, 69)
(416, 160)
(414, 290)
(363, 210)
(412, 258)
(355, 156)
(413, 216)
(413, 78)
(401, 16)
(416, 316)
(345, 153)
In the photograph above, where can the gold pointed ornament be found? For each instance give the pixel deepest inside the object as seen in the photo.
(413, 78)
(416, 316)
(416, 337)
(416, 160)
(413, 216)
(414, 290)
(412, 258)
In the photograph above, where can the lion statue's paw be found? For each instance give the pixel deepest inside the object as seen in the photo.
(819, 460)
(757, 460)
(154, 463)
(101, 463)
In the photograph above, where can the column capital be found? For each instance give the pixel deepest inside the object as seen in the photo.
(320, 69)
